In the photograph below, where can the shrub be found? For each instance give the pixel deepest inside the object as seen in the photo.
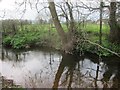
(7, 41)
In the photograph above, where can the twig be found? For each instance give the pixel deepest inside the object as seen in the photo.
(103, 48)
(3, 14)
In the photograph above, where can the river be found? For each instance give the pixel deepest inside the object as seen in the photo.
(47, 68)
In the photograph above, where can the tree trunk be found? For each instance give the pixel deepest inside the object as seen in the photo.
(56, 21)
(114, 28)
(67, 39)
(100, 32)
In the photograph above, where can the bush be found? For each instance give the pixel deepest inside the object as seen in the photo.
(7, 41)
(18, 42)
(22, 39)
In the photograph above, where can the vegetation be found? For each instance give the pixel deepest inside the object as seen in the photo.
(40, 35)
(32, 35)
(94, 28)
(70, 29)
(70, 36)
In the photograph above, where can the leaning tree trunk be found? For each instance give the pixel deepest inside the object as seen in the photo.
(57, 22)
(114, 28)
(67, 42)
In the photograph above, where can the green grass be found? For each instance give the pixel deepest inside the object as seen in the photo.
(46, 35)
(93, 35)
(32, 35)
(94, 28)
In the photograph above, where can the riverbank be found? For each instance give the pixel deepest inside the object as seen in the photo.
(38, 36)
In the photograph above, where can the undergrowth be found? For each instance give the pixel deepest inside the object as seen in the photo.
(43, 35)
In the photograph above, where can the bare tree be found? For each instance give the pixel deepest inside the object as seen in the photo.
(114, 27)
(68, 40)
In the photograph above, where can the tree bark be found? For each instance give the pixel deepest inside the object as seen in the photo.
(100, 32)
(72, 30)
(56, 21)
(68, 40)
(114, 28)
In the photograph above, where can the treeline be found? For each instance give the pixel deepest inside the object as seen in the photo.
(12, 25)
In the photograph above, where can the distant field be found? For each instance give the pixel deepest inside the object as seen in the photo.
(96, 27)
(89, 27)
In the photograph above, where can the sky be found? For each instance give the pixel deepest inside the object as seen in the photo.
(13, 11)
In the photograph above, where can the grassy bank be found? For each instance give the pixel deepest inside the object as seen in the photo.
(31, 35)
(92, 31)
(94, 28)
(46, 35)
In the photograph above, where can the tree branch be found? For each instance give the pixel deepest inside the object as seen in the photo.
(103, 47)
(3, 14)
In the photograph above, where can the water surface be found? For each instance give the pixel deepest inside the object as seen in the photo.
(45, 68)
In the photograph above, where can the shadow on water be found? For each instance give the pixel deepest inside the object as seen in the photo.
(109, 68)
(59, 70)
(112, 72)
(69, 62)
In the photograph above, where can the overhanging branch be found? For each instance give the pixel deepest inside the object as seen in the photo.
(102, 47)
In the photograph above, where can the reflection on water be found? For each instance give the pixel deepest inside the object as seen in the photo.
(48, 68)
